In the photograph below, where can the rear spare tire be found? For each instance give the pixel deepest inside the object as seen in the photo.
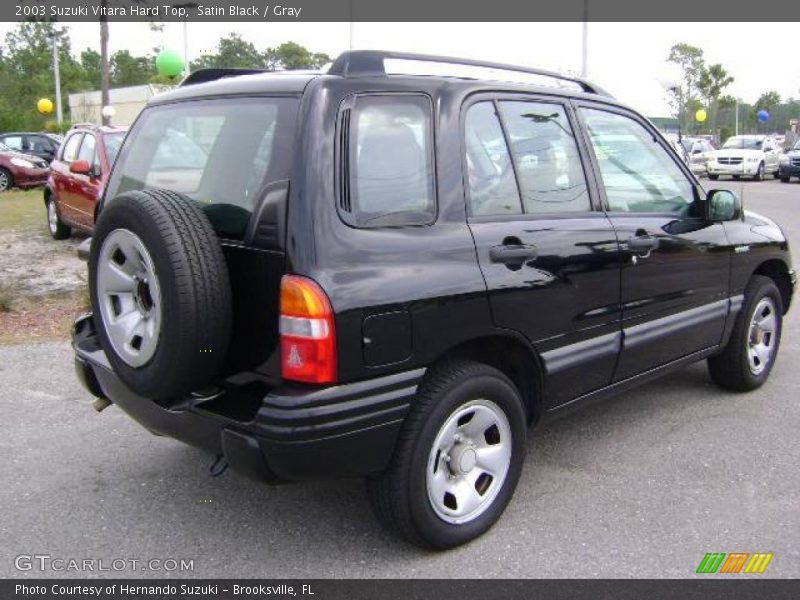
(160, 293)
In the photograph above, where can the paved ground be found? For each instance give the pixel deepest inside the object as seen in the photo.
(640, 486)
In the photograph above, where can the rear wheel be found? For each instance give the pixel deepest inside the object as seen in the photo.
(746, 362)
(57, 229)
(457, 460)
(6, 180)
(160, 293)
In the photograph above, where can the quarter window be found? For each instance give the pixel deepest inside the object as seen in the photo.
(387, 149)
(638, 174)
(490, 173)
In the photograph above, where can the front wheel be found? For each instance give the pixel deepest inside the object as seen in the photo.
(759, 176)
(713, 177)
(785, 179)
(457, 460)
(6, 180)
(747, 360)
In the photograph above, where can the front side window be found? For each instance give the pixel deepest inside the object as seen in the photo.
(70, 152)
(87, 151)
(638, 173)
(549, 168)
(212, 151)
(388, 161)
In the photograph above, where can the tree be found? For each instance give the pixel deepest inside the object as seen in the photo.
(27, 74)
(713, 80)
(690, 60)
(127, 69)
(290, 56)
(90, 61)
(232, 52)
(768, 101)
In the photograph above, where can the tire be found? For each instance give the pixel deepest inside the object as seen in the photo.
(57, 229)
(176, 291)
(713, 177)
(732, 368)
(785, 179)
(6, 180)
(759, 176)
(404, 497)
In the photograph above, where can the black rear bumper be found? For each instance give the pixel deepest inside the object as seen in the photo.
(291, 432)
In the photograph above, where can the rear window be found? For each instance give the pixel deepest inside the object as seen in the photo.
(222, 153)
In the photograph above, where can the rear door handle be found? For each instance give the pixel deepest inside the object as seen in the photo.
(512, 253)
(644, 243)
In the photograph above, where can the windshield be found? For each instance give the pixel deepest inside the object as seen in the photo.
(796, 145)
(113, 142)
(222, 153)
(742, 142)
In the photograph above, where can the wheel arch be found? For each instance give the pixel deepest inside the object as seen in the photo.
(512, 355)
(777, 270)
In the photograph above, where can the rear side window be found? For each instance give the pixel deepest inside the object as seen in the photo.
(222, 153)
(70, 152)
(386, 161)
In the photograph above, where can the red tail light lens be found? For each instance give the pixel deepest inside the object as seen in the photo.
(308, 338)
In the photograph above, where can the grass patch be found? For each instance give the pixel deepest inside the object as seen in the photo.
(22, 209)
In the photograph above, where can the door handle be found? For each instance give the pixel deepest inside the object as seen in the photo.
(642, 243)
(512, 253)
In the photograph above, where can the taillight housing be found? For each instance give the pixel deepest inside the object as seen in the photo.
(308, 338)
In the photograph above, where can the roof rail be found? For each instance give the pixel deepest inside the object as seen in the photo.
(212, 74)
(370, 63)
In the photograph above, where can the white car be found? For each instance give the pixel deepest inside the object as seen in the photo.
(700, 151)
(745, 156)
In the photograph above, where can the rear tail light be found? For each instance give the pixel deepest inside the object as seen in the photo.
(308, 338)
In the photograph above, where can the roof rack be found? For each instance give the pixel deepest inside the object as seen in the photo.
(370, 63)
(212, 74)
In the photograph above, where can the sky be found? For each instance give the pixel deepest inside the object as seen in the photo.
(627, 59)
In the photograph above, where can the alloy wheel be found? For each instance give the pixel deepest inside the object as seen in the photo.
(762, 336)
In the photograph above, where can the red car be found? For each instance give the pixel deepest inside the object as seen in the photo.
(78, 175)
(21, 170)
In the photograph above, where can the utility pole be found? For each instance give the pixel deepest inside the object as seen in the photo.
(105, 75)
(585, 40)
(736, 130)
(54, 37)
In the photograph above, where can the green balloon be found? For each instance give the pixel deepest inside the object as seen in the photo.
(169, 63)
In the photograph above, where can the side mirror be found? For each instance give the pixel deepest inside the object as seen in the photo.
(723, 205)
(81, 167)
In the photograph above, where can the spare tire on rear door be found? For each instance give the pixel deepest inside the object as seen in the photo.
(160, 293)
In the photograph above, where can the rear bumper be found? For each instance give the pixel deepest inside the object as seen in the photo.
(291, 432)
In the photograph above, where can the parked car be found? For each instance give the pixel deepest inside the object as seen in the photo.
(41, 145)
(21, 170)
(790, 164)
(745, 156)
(332, 289)
(78, 176)
(699, 151)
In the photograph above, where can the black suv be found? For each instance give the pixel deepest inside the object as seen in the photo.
(362, 272)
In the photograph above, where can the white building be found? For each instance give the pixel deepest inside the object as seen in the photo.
(85, 107)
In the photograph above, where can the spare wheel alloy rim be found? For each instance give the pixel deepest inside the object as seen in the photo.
(129, 297)
(469, 461)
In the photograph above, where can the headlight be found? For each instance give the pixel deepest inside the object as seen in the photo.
(784, 159)
(21, 162)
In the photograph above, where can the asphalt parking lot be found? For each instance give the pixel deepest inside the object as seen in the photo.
(640, 486)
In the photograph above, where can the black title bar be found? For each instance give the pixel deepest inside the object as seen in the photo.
(402, 10)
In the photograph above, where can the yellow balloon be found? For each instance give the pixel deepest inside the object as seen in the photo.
(700, 115)
(45, 106)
